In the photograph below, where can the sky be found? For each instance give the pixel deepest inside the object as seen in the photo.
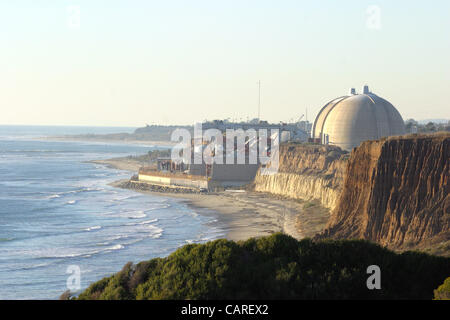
(131, 63)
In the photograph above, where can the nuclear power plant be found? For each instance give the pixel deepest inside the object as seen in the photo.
(349, 120)
(344, 122)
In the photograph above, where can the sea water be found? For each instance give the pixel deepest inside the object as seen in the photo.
(58, 213)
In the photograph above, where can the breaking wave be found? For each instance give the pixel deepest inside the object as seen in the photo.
(93, 228)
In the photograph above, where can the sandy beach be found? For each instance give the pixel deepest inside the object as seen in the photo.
(128, 164)
(245, 213)
(249, 214)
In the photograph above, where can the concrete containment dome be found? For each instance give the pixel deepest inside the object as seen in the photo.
(349, 120)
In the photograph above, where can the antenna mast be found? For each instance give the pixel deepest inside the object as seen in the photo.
(259, 100)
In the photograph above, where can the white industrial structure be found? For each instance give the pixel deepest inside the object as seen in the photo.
(348, 120)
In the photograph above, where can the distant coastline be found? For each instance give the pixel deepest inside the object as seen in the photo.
(155, 135)
(99, 139)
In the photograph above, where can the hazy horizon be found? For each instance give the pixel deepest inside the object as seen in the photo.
(122, 64)
(420, 121)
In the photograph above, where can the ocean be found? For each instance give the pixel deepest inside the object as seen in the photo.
(58, 213)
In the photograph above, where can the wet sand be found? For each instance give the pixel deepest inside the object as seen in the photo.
(128, 164)
(247, 214)
(244, 214)
(251, 214)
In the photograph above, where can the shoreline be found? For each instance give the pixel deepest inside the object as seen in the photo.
(244, 214)
(100, 140)
(128, 164)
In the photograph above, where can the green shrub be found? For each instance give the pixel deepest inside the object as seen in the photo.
(276, 267)
(443, 292)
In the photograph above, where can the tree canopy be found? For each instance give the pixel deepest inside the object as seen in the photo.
(276, 267)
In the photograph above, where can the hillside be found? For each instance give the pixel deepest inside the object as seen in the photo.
(153, 133)
(275, 267)
(396, 193)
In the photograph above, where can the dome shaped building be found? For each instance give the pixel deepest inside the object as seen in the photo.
(347, 121)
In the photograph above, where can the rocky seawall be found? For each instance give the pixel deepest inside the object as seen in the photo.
(396, 193)
(142, 186)
(307, 172)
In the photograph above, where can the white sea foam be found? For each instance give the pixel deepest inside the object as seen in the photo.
(142, 222)
(124, 198)
(156, 232)
(122, 236)
(103, 243)
(206, 239)
(139, 215)
(64, 254)
(59, 194)
(92, 234)
(93, 228)
(108, 249)
(133, 241)
(148, 221)
(74, 253)
(88, 189)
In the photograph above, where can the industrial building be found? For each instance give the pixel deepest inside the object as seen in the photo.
(349, 120)
(298, 131)
(345, 122)
(209, 176)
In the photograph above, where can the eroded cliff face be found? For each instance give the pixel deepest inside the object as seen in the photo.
(396, 193)
(393, 191)
(307, 172)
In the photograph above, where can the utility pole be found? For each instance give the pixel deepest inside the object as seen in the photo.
(259, 100)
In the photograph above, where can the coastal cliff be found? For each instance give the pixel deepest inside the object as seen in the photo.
(393, 191)
(307, 172)
(396, 193)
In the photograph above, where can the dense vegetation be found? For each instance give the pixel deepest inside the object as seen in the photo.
(412, 125)
(276, 267)
(443, 291)
(158, 133)
(151, 156)
(147, 133)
